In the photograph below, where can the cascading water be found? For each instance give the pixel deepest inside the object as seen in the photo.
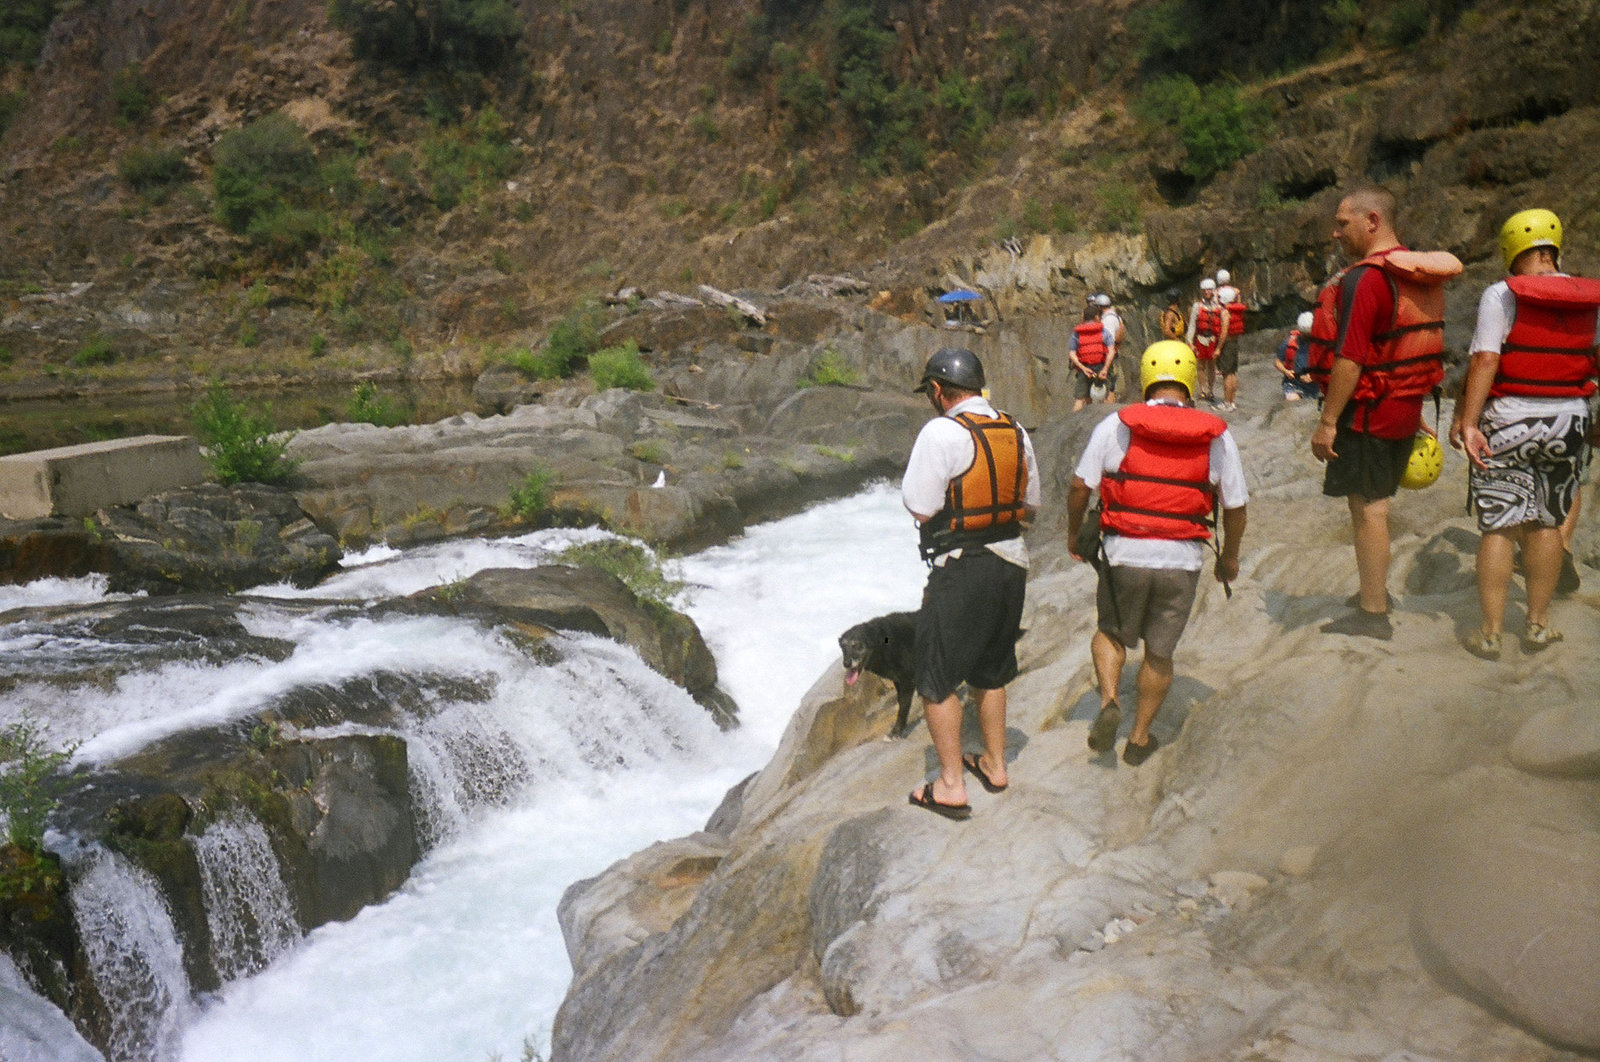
(527, 775)
(134, 956)
(248, 909)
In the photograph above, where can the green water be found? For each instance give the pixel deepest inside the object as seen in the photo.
(40, 424)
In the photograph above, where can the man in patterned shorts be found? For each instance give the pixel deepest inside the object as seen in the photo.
(1524, 421)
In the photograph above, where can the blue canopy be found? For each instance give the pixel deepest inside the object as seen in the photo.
(961, 296)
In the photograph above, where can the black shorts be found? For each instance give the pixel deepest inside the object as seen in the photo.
(967, 626)
(1228, 360)
(1367, 466)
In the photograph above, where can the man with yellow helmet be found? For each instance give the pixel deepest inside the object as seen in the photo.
(1524, 422)
(1159, 467)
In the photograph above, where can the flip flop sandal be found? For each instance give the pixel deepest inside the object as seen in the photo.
(1537, 636)
(972, 762)
(1484, 646)
(923, 798)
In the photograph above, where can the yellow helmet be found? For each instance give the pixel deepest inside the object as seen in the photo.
(1529, 228)
(1427, 461)
(1168, 361)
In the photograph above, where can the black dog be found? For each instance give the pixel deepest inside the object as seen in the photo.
(884, 646)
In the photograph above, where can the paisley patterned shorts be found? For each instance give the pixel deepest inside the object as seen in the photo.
(1533, 470)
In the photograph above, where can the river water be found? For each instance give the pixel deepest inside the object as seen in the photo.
(466, 962)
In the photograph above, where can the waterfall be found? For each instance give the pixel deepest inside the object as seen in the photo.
(134, 956)
(31, 1028)
(248, 909)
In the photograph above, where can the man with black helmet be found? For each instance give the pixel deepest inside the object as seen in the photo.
(971, 482)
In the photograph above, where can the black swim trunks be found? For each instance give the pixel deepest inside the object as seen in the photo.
(1367, 466)
(967, 627)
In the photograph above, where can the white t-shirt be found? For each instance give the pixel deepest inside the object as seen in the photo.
(1113, 327)
(1497, 309)
(1108, 445)
(1227, 294)
(943, 451)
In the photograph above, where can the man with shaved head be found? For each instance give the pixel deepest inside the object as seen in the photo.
(1377, 347)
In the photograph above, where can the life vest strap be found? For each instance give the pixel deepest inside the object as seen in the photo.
(1124, 477)
(1203, 521)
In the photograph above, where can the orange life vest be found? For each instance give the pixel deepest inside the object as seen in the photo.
(985, 503)
(1410, 360)
(1550, 350)
(1162, 488)
(1235, 317)
(1091, 342)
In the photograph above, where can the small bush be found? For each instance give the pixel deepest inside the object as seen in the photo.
(531, 497)
(1217, 126)
(620, 366)
(97, 351)
(30, 782)
(1402, 25)
(830, 369)
(1119, 205)
(151, 170)
(453, 35)
(368, 406)
(132, 95)
(262, 170)
(22, 27)
(649, 451)
(239, 441)
(461, 161)
(637, 567)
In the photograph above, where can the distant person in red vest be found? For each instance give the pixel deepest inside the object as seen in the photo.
(1205, 335)
(1111, 321)
(1159, 467)
(1232, 328)
(1090, 356)
(1377, 350)
(1293, 361)
(1525, 423)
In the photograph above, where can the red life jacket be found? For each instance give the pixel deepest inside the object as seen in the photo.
(1208, 320)
(1091, 342)
(1162, 488)
(1550, 350)
(1291, 349)
(1410, 351)
(986, 502)
(1235, 317)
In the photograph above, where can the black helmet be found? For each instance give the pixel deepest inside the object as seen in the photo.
(953, 365)
(1172, 294)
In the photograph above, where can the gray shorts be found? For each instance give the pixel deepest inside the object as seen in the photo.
(1535, 467)
(1081, 383)
(1149, 604)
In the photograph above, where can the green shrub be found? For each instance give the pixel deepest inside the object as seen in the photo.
(453, 35)
(30, 782)
(368, 406)
(22, 27)
(830, 369)
(461, 161)
(1216, 125)
(800, 89)
(152, 169)
(531, 497)
(1403, 24)
(97, 351)
(238, 440)
(620, 366)
(632, 562)
(132, 95)
(577, 335)
(1119, 205)
(263, 169)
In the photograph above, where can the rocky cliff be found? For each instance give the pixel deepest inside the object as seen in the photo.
(1344, 850)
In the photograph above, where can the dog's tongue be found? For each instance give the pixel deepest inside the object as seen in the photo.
(851, 676)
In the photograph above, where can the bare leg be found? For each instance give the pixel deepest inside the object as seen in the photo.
(1109, 656)
(1569, 526)
(1495, 551)
(1230, 387)
(1541, 564)
(1155, 679)
(992, 720)
(1369, 520)
(944, 726)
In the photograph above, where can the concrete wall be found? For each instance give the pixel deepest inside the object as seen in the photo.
(78, 480)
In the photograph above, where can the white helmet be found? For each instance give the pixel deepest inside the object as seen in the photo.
(1102, 300)
(1224, 277)
(1303, 322)
(1208, 284)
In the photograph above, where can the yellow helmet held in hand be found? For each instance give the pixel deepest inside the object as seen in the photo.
(1527, 229)
(1425, 464)
(1169, 361)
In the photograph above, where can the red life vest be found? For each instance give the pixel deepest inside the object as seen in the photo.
(1235, 317)
(1208, 320)
(1550, 350)
(985, 503)
(1291, 349)
(1091, 342)
(1410, 361)
(1162, 488)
